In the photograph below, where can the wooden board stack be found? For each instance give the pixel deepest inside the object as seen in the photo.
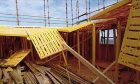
(36, 74)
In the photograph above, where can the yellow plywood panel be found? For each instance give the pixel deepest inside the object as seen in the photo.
(135, 21)
(130, 52)
(7, 31)
(75, 27)
(136, 28)
(47, 42)
(132, 43)
(15, 59)
(133, 34)
(136, 13)
(130, 61)
(22, 31)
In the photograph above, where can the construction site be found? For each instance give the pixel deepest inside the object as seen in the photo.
(96, 47)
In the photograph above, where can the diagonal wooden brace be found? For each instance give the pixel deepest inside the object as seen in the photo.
(89, 65)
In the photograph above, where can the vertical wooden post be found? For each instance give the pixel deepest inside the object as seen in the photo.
(78, 48)
(67, 43)
(114, 36)
(66, 63)
(64, 57)
(93, 44)
(118, 43)
(83, 44)
(138, 77)
(31, 47)
(107, 44)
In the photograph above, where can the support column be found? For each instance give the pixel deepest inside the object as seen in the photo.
(93, 45)
(118, 47)
(78, 49)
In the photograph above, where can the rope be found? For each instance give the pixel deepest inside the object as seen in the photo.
(17, 14)
(44, 13)
(48, 12)
(72, 11)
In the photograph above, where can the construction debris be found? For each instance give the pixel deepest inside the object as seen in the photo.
(37, 74)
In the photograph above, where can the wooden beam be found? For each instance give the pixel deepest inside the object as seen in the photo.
(89, 65)
(105, 70)
(93, 45)
(78, 49)
(137, 77)
(65, 59)
(107, 45)
(118, 47)
(110, 9)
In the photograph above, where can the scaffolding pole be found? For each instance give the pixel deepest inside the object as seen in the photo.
(45, 13)
(72, 11)
(89, 10)
(86, 9)
(66, 12)
(17, 13)
(48, 12)
(77, 10)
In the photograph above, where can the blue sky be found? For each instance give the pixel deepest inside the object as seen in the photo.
(35, 8)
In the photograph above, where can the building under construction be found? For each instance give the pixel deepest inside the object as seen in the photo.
(103, 48)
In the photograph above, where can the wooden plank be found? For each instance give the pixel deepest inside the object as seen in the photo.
(133, 34)
(0, 73)
(134, 21)
(53, 79)
(113, 63)
(63, 72)
(15, 59)
(130, 61)
(9, 31)
(48, 71)
(39, 74)
(132, 43)
(136, 28)
(5, 75)
(16, 77)
(75, 27)
(136, 13)
(78, 48)
(89, 65)
(28, 79)
(110, 9)
(33, 77)
(93, 45)
(132, 51)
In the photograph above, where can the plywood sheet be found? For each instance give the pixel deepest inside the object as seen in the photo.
(15, 58)
(46, 42)
(130, 51)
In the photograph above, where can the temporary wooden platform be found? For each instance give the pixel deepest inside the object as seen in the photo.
(15, 58)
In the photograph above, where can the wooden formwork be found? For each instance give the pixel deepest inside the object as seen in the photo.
(44, 43)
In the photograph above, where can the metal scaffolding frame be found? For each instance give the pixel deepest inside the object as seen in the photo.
(46, 18)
